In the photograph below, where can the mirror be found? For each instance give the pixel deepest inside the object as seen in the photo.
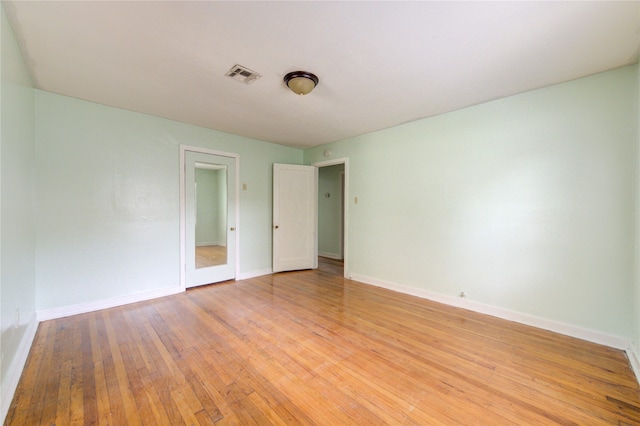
(211, 214)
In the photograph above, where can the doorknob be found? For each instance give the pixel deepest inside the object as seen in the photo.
(276, 226)
(232, 228)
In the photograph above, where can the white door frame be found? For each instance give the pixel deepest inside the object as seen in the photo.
(183, 207)
(345, 161)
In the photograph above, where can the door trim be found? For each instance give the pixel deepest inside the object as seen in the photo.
(183, 207)
(345, 161)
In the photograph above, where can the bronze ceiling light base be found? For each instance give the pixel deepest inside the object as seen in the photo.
(301, 82)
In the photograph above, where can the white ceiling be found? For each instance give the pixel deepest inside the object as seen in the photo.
(379, 63)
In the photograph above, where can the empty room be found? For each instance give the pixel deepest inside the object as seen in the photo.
(318, 212)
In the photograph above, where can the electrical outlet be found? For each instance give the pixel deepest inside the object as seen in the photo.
(461, 294)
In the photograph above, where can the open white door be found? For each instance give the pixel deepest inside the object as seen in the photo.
(295, 217)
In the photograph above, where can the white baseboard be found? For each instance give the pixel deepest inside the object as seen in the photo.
(634, 360)
(81, 308)
(211, 243)
(330, 255)
(534, 321)
(17, 365)
(254, 274)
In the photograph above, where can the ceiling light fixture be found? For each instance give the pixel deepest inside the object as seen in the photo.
(301, 82)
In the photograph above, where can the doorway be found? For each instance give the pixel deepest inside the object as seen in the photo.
(333, 206)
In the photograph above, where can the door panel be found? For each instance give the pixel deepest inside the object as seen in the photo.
(210, 203)
(295, 217)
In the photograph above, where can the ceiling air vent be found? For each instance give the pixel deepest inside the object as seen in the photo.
(242, 74)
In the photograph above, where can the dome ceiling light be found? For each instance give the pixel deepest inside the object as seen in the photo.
(301, 82)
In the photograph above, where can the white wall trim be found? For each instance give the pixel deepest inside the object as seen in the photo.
(211, 243)
(17, 365)
(81, 308)
(254, 274)
(330, 255)
(634, 360)
(543, 323)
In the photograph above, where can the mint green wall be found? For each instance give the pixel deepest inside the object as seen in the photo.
(17, 238)
(329, 211)
(525, 203)
(108, 199)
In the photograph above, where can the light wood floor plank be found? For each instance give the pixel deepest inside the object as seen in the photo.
(99, 379)
(76, 409)
(310, 347)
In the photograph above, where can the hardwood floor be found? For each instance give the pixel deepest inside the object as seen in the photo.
(210, 256)
(310, 347)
